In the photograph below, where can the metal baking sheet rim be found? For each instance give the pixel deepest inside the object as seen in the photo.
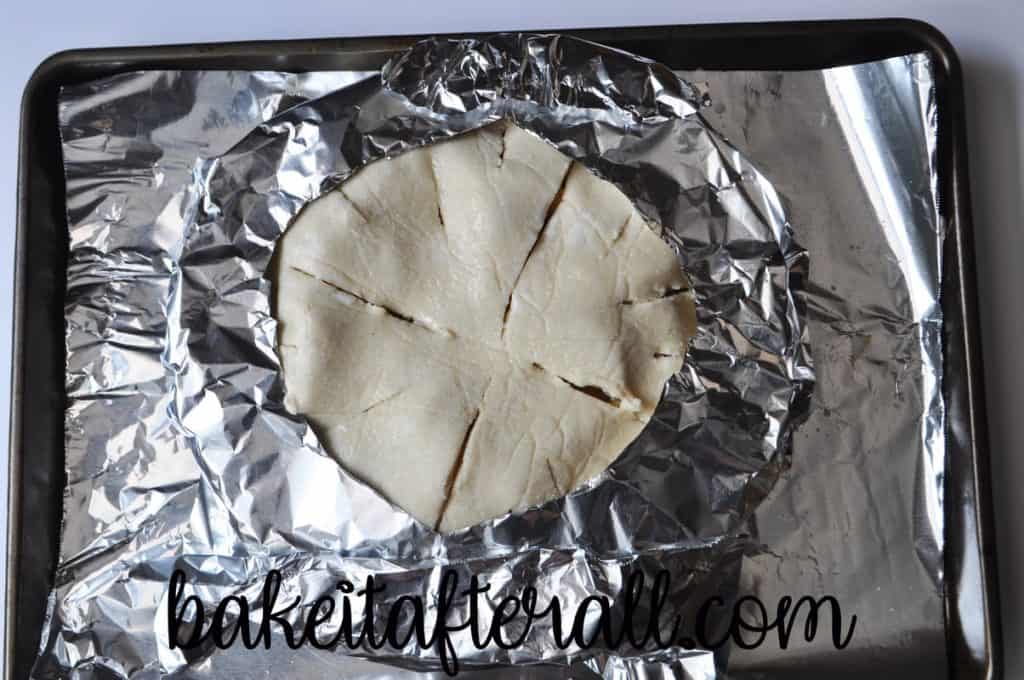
(968, 479)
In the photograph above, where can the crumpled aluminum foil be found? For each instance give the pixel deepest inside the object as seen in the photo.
(180, 456)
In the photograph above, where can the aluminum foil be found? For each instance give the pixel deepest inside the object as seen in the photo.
(180, 455)
(859, 515)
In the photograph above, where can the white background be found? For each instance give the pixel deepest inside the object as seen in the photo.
(988, 34)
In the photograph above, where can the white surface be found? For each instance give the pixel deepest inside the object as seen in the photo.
(987, 34)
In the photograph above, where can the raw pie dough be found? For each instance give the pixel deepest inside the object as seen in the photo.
(477, 326)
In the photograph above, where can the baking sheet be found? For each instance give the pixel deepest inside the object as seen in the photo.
(752, 91)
